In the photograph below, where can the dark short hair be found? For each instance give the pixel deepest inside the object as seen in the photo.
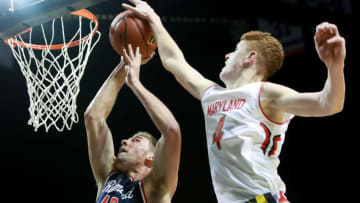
(148, 136)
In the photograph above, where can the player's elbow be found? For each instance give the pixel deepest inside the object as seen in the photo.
(330, 106)
(173, 130)
(88, 115)
(91, 117)
(94, 124)
(170, 62)
(332, 109)
(336, 109)
(336, 105)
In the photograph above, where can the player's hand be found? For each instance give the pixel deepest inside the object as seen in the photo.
(142, 9)
(329, 45)
(132, 65)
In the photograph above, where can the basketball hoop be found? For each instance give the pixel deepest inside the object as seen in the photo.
(53, 72)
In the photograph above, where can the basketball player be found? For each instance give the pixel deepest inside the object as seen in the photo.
(143, 170)
(246, 121)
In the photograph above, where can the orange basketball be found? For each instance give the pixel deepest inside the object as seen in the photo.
(126, 28)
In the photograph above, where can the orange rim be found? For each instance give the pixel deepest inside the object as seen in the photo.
(83, 13)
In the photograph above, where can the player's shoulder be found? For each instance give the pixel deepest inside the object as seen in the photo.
(270, 89)
(210, 89)
(156, 190)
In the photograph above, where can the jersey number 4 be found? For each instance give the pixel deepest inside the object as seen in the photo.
(112, 200)
(218, 133)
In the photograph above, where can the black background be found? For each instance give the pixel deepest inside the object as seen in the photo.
(319, 155)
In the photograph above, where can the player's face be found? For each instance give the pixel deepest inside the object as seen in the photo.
(134, 150)
(233, 62)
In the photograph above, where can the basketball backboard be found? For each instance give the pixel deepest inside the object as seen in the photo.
(19, 15)
(21, 4)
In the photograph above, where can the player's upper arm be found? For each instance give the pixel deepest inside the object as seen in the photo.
(164, 175)
(284, 99)
(100, 146)
(188, 77)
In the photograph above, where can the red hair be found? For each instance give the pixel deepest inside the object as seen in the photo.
(269, 49)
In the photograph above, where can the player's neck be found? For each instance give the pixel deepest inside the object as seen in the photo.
(135, 173)
(139, 174)
(246, 77)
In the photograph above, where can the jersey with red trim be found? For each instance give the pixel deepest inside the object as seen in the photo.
(120, 189)
(243, 143)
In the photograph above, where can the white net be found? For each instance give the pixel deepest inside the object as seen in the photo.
(53, 76)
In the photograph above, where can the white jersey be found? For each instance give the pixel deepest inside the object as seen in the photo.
(243, 143)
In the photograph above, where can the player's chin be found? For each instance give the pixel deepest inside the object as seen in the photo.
(121, 156)
(222, 74)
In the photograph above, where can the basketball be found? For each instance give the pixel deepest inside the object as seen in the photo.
(126, 28)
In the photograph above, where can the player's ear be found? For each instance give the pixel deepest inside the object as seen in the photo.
(149, 159)
(250, 58)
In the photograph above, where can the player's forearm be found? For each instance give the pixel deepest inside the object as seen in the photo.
(102, 104)
(159, 113)
(167, 153)
(173, 59)
(169, 51)
(333, 94)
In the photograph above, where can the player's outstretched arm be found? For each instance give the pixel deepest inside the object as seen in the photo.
(171, 56)
(164, 174)
(330, 47)
(100, 142)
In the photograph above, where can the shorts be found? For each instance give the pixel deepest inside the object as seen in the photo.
(269, 198)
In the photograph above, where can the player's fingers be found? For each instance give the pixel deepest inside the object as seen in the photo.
(324, 31)
(333, 29)
(126, 56)
(319, 35)
(127, 74)
(323, 27)
(131, 52)
(336, 40)
(329, 29)
(134, 1)
(138, 52)
(128, 7)
(320, 27)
